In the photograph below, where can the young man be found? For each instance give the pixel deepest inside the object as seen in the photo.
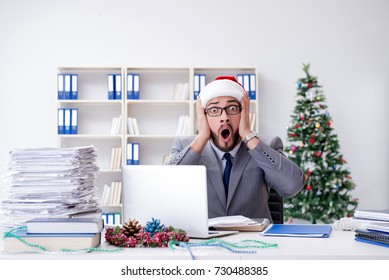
(238, 184)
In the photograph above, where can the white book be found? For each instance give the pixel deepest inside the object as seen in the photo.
(118, 125)
(106, 197)
(113, 191)
(114, 125)
(118, 193)
(118, 158)
(115, 154)
(130, 127)
(135, 126)
(111, 165)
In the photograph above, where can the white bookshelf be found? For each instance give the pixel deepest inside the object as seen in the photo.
(156, 112)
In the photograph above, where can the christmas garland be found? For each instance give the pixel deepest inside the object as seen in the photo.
(154, 234)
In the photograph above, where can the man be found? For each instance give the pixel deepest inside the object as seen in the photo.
(238, 184)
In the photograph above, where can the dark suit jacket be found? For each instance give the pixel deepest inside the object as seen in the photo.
(253, 172)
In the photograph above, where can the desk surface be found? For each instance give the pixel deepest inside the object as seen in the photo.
(340, 245)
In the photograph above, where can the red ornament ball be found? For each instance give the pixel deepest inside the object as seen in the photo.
(309, 187)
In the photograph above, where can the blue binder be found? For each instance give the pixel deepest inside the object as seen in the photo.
(253, 91)
(74, 86)
(67, 121)
(130, 86)
(74, 121)
(111, 86)
(118, 86)
(61, 86)
(61, 121)
(136, 83)
(67, 86)
(299, 230)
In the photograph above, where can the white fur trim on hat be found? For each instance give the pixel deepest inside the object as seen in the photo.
(218, 88)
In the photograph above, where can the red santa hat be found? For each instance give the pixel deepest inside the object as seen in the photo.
(221, 86)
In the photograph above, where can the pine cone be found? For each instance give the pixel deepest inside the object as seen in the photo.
(153, 226)
(131, 228)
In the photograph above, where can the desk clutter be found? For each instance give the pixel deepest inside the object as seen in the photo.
(370, 226)
(50, 182)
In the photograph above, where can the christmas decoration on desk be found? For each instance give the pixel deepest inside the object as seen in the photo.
(246, 246)
(154, 234)
(314, 147)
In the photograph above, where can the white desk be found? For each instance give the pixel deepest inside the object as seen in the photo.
(339, 246)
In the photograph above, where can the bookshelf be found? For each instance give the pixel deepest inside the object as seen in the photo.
(165, 94)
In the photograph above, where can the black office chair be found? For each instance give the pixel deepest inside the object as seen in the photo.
(276, 206)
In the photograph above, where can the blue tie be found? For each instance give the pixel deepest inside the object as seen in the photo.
(227, 171)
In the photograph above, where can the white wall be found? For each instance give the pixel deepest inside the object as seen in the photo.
(346, 42)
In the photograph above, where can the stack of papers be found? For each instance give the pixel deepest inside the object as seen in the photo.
(238, 222)
(50, 182)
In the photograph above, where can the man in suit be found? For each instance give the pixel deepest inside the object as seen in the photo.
(238, 184)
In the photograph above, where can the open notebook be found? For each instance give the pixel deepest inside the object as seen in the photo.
(174, 194)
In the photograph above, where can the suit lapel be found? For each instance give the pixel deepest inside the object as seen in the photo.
(214, 173)
(241, 159)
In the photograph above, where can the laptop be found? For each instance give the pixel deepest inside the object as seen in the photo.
(174, 194)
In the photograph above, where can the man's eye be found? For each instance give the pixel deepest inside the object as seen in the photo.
(213, 110)
(233, 108)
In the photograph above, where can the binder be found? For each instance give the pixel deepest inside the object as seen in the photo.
(299, 230)
(74, 121)
(130, 86)
(60, 86)
(135, 153)
(118, 86)
(202, 81)
(372, 237)
(136, 86)
(253, 91)
(129, 154)
(239, 78)
(74, 86)
(196, 86)
(67, 86)
(246, 83)
(111, 86)
(61, 121)
(67, 122)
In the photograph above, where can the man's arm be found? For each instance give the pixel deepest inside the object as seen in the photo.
(281, 173)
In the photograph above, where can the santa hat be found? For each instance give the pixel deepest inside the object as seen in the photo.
(221, 86)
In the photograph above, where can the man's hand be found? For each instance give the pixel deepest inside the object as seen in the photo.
(244, 125)
(204, 133)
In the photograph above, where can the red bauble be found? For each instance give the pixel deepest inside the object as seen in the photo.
(329, 123)
(309, 187)
(309, 85)
(311, 141)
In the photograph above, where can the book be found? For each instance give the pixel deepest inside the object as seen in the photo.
(64, 225)
(372, 237)
(238, 223)
(381, 215)
(298, 230)
(50, 241)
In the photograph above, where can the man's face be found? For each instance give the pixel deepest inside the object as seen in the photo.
(224, 128)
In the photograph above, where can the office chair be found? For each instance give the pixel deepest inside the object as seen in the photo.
(276, 206)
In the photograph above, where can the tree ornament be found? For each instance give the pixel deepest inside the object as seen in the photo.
(131, 228)
(293, 148)
(311, 141)
(291, 152)
(317, 125)
(309, 187)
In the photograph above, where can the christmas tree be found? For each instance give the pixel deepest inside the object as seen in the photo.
(313, 145)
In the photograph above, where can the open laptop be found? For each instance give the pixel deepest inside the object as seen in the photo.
(174, 194)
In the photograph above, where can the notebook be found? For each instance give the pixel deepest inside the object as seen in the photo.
(299, 230)
(174, 194)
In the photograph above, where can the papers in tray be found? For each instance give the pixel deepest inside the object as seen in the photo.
(238, 222)
(298, 230)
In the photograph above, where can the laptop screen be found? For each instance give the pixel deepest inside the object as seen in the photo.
(174, 194)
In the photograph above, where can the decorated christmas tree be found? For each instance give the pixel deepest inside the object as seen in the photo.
(313, 145)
